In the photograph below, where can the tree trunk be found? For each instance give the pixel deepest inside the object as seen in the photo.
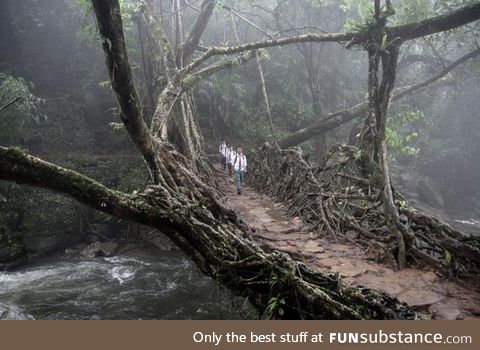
(185, 134)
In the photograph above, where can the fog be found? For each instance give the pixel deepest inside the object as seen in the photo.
(53, 46)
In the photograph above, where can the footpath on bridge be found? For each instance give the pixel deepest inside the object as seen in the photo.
(424, 290)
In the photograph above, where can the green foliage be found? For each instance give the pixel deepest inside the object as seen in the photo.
(414, 10)
(358, 154)
(86, 5)
(275, 307)
(105, 84)
(130, 8)
(88, 27)
(22, 115)
(399, 142)
(363, 8)
(117, 126)
(405, 11)
(361, 12)
(448, 257)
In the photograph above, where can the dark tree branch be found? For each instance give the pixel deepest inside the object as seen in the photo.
(408, 90)
(196, 33)
(335, 119)
(17, 166)
(226, 63)
(408, 31)
(110, 27)
(414, 58)
(246, 20)
(214, 51)
(22, 168)
(10, 103)
(437, 24)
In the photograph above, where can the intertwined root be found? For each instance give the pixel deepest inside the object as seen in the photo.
(336, 199)
(217, 241)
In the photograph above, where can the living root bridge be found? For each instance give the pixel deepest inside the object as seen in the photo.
(336, 201)
(215, 238)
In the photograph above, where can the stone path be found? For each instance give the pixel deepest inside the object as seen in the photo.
(424, 290)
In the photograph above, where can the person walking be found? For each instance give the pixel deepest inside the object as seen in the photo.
(230, 155)
(239, 167)
(221, 149)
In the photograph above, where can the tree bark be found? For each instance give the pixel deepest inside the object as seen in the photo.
(196, 32)
(265, 95)
(110, 27)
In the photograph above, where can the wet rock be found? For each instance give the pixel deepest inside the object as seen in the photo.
(444, 312)
(11, 247)
(108, 248)
(91, 251)
(164, 244)
(70, 251)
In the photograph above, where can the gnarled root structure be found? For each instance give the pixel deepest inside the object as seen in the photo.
(190, 214)
(335, 199)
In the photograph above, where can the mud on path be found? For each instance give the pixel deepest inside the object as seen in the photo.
(424, 290)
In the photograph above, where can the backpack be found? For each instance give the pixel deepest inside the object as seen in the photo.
(235, 160)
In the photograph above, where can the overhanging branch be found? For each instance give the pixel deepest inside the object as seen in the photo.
(10, 103)
(15, 165)
(214, 51)
(226, 63)
(199, 26)
(437, 24)
(335, 119)
(405, 32)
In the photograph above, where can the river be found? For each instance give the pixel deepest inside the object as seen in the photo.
(164, 286)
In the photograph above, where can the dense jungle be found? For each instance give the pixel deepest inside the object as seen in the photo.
(359, 124)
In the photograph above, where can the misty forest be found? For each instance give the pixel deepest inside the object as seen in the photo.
(125, 194)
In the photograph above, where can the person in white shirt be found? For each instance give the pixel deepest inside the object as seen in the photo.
(230, 156)
(239, 168)
(221, 149)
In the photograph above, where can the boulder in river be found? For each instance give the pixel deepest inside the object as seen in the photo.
(108, 248)
(91, 251)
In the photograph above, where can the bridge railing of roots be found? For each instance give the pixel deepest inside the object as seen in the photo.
(337, 201)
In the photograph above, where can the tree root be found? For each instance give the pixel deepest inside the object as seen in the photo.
(189, 212)
(334, 198)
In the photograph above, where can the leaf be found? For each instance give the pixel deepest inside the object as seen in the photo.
(448, 257)
(383, 46)
(116, 126)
